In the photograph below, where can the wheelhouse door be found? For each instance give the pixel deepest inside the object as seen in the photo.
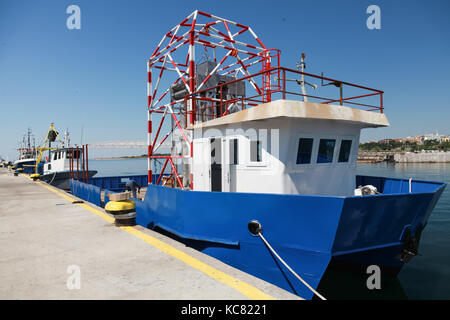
(225, 165)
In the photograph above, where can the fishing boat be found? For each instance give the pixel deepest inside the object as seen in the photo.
(262, 175)
(27, 154)
(61, 161)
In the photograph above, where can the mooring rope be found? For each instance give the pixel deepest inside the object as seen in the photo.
(289, 268)
(54, 175)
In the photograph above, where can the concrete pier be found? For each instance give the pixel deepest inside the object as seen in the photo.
(422, 157)
(50, 246)
(405, 157)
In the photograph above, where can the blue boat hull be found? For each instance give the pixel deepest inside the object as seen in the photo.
(27, 166)
(61, 179)
(308, 232)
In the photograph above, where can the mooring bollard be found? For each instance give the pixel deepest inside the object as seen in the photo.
(122, 208)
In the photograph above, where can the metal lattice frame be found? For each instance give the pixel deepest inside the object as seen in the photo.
(228, 41)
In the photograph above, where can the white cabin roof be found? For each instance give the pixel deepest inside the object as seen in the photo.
(300, 109)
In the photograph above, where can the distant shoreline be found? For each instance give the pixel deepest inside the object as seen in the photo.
(404, 157)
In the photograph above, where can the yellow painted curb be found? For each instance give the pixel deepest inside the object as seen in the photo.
(243, 287)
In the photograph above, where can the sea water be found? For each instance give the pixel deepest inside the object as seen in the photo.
(426, 276)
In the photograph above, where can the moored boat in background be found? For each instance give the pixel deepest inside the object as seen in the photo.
(59, 168)
(27, 154)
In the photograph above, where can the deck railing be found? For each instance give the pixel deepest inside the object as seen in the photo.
(284, 83)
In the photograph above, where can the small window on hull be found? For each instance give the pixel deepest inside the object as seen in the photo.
(344, 151)
(304, 150)
(326, 150)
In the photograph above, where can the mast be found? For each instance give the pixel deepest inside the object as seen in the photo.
(49, 142)
(29, 140)
(66, 139)
(302, 69)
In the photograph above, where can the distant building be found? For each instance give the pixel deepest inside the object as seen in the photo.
(390, 140)
(433, 137)
(419, 140)
(416, 139)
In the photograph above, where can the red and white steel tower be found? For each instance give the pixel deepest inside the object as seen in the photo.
(233, 49)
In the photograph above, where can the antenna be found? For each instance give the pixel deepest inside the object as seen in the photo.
(301, 66)
(337, 84)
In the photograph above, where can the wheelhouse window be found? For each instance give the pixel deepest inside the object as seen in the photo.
(344, 151)
(234, 151)
(73, 153)
(304, 150)
(255, 151)
(326, 150)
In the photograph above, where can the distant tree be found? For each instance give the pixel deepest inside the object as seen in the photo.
(444, 146)
(404, 146)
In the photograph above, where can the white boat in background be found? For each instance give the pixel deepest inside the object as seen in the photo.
(57, 171)
(62, 163)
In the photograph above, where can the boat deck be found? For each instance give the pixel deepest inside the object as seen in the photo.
(43, 233)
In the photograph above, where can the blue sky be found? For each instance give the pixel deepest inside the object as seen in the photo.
(95, 77)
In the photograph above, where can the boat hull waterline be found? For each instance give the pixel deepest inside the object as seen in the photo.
(61, 179)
